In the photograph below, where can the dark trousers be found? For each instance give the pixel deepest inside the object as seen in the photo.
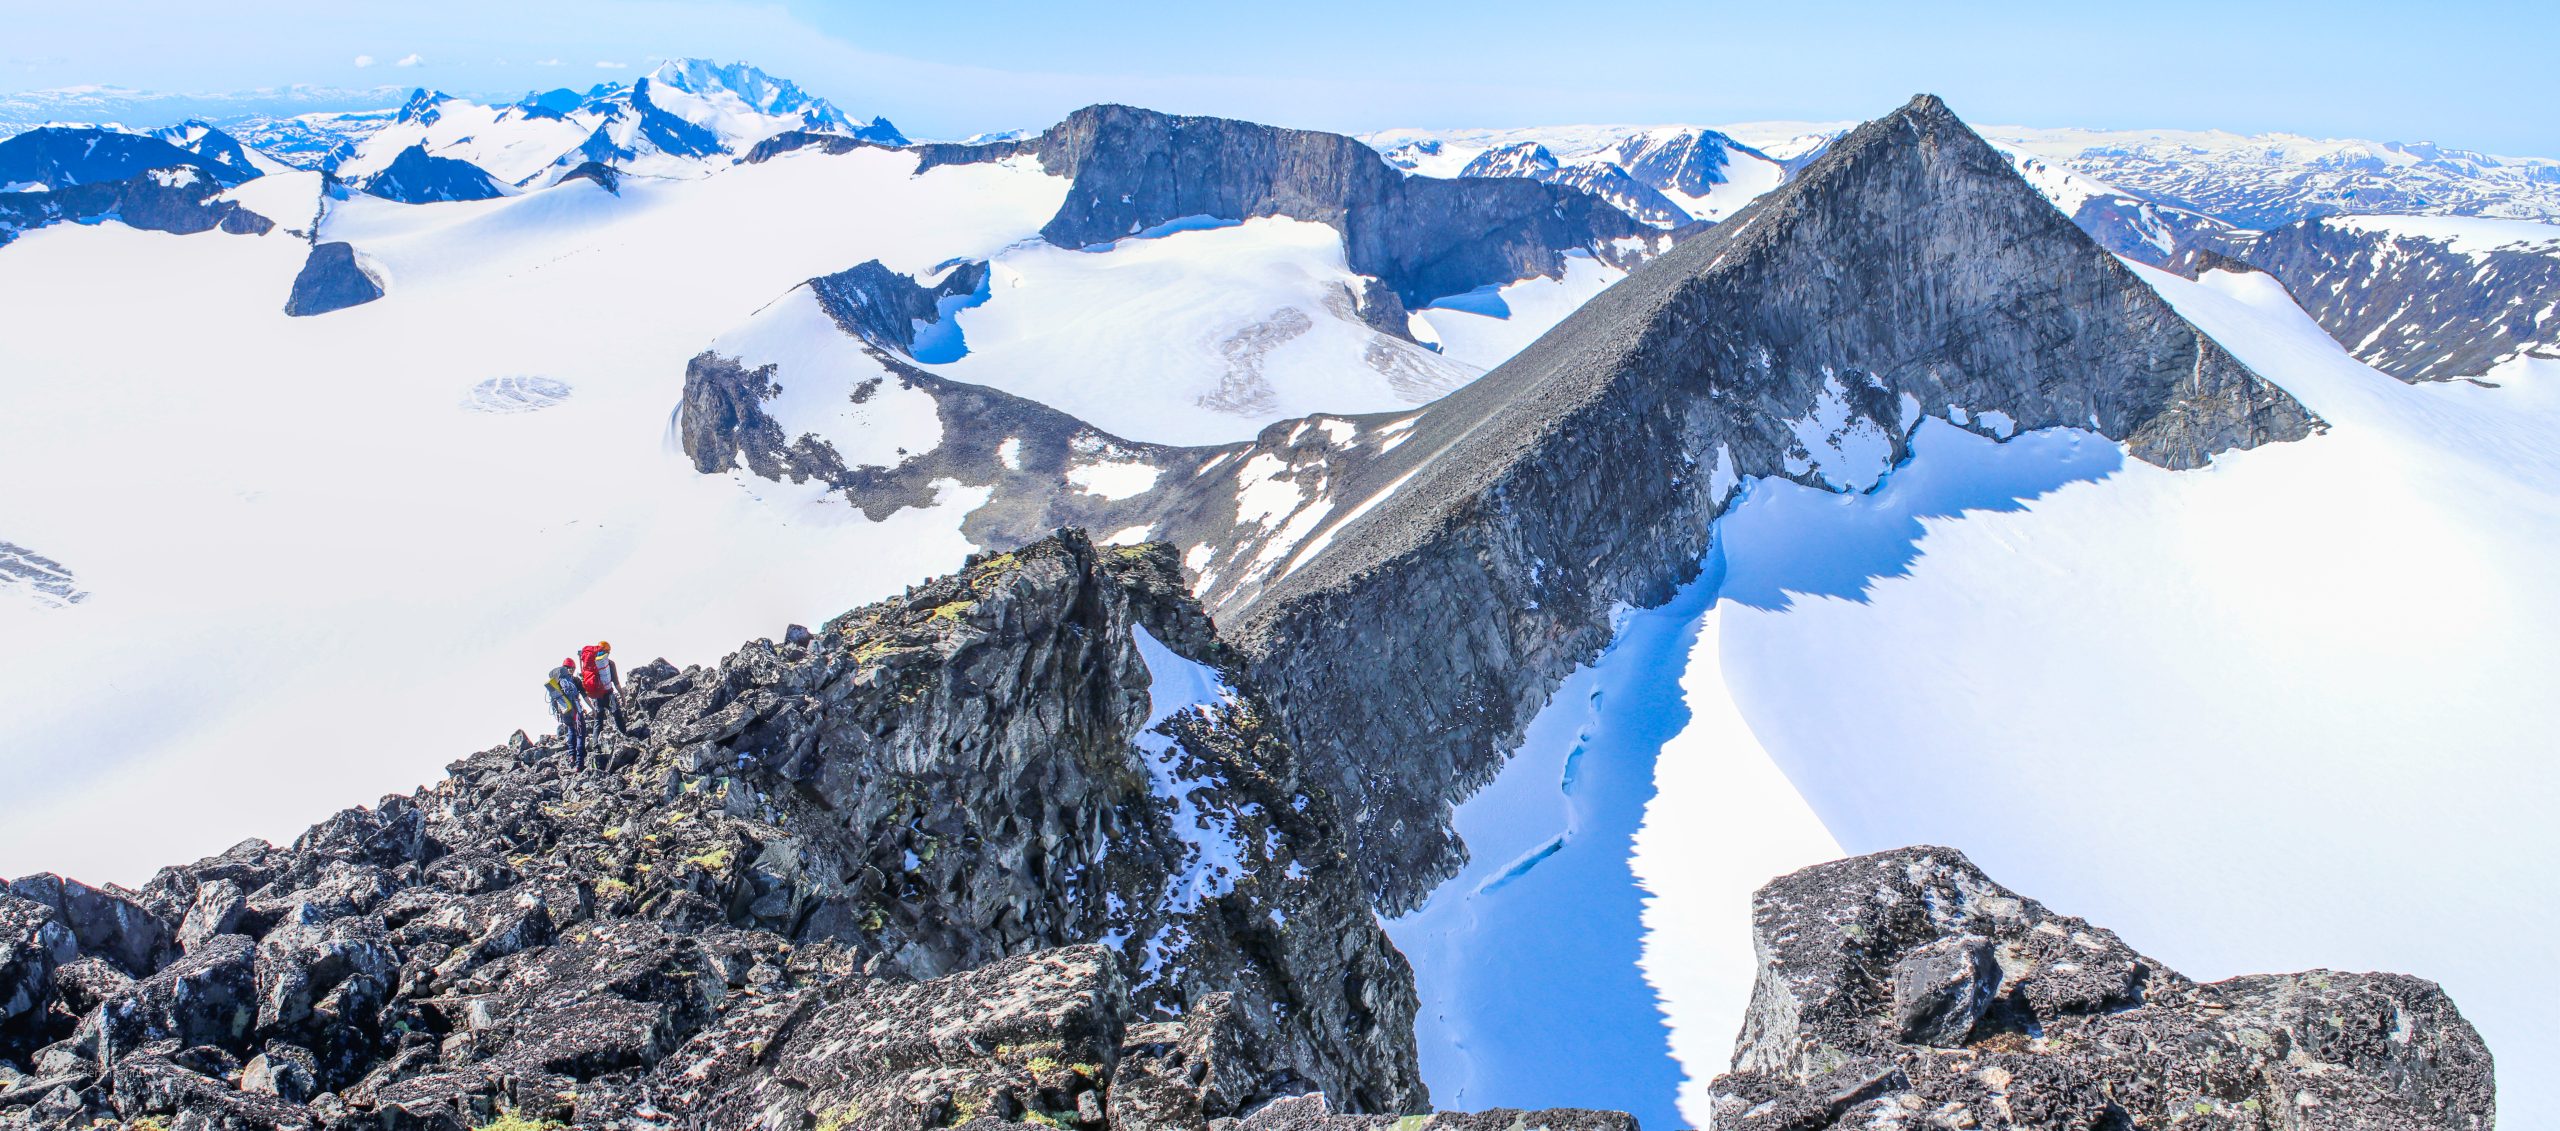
(607, 702)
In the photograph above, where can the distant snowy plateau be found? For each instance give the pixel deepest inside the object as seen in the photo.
(327, 432)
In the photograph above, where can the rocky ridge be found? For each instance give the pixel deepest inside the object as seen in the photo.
(2417, 308)
(1907, 990)
(999, 849)
(1422, 237)
(1908, 272)
(84, 174)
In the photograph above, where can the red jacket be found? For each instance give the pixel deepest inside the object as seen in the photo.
(596, 676)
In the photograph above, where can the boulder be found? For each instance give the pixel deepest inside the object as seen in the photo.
(108, 924)
(33, 944)
(1941, 989)
(1869, 1009)
(209, 997)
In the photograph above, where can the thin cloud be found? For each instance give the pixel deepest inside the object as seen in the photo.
(605, 66)
(546, 62)
(364, 60)
(410, 60)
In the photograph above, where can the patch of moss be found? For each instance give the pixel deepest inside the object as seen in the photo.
(712, 861)
(953, 610)
(510, 1120)
(1042, 1065)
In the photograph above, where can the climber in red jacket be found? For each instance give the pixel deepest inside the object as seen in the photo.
(602, 684)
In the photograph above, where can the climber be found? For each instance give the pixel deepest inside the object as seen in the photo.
(562, 687)
(603, 685)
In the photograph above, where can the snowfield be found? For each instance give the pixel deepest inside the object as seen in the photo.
(1482, 329)
(2290, 711)
(315, 576)
(1198, 336)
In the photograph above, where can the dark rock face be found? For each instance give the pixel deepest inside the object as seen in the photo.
(882, 307)
(331, 279)
(1907, 270)
(1019, 449)
(1424, 237)
(180, 199)
(2415, 308)
(947, 858)
(2082, 1032)
(418, 177)
(1941, 989)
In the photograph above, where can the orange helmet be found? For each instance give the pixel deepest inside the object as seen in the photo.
(604, 645)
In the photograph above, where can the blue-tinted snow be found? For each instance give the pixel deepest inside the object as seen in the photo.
(1527, 961)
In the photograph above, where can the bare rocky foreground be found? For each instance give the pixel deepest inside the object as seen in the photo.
(928, 867)
(923, 867)
(1907, 990)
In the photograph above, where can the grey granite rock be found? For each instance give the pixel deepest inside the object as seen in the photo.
(2083, 1032)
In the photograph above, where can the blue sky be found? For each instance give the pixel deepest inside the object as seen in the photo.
(2472, 74)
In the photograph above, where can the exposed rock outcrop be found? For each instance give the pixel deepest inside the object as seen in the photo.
(332, 278)
(419, 177)
(1422, 237)
(883, 307)
(2074, 1029)
(1908, 272)
(182, 199)
(2416, 308)
(1018, 845)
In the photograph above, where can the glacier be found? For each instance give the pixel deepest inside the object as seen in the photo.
(2288, 711)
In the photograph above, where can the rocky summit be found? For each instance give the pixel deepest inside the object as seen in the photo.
(1907, 990)
(1017, 849)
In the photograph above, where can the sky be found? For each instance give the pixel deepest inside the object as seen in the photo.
(2469, 73)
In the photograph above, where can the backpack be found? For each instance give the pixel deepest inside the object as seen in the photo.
(591, 680)
(562, 686)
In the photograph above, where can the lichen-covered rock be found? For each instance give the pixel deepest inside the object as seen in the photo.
(931, 862)
(106, 923)
(33, 944)
(1941, 989)
(1865, 964)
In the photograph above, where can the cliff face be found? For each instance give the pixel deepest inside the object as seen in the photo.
(1423, 237)
(1907, 272)
(1906, 989)
(1410, 587)
(828, 876)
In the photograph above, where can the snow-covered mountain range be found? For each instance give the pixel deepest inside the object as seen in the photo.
(1675, 504)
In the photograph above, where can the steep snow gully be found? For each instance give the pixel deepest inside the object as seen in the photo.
(2231, 711)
